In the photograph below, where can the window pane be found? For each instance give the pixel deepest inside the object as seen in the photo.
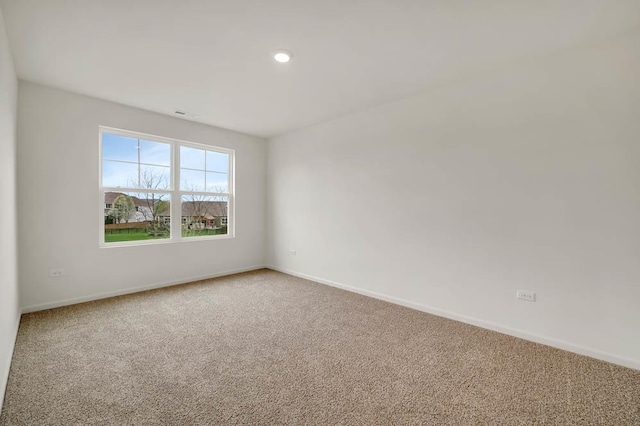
(217, 162)
(115, 147)
(191, 180)
(119, 174)
(192, 158)
(155, 177)
(204, 215)
(155, 153)
(130, 216)
(217, 182)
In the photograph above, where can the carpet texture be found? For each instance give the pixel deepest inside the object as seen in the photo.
(267, 348)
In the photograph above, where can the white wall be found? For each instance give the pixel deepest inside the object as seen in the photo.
(450, 201)
(9, 313)
(58, 200)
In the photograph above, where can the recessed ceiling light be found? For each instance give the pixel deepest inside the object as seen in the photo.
(282, 56)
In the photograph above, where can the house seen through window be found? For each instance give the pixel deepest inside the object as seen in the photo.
(157, 189)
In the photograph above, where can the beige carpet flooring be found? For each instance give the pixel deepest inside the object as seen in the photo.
(267, 348)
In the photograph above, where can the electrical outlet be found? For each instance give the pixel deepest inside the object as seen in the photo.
(529, 296)
(55, 273)
(292, 252)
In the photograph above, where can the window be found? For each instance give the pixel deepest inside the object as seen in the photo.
(155, 189)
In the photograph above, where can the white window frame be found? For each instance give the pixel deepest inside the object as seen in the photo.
(175, 194)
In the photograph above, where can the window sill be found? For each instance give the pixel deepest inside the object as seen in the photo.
(182, 240)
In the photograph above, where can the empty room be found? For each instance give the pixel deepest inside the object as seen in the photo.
(297, 212)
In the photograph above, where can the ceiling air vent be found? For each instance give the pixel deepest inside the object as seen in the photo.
(185, 114)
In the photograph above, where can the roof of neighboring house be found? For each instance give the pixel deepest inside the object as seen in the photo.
(206, 209)
(110, 198)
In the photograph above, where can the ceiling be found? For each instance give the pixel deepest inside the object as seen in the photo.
(212, 57)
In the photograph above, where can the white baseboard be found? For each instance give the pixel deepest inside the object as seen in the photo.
(560, 344)
(7, 363)
(82, 299)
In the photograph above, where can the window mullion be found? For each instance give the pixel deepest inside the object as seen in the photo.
(138, 161)
(212, 194)
(138, 190)
(176, 199)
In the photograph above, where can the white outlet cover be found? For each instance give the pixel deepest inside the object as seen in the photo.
(54, 273)
(529, 296)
